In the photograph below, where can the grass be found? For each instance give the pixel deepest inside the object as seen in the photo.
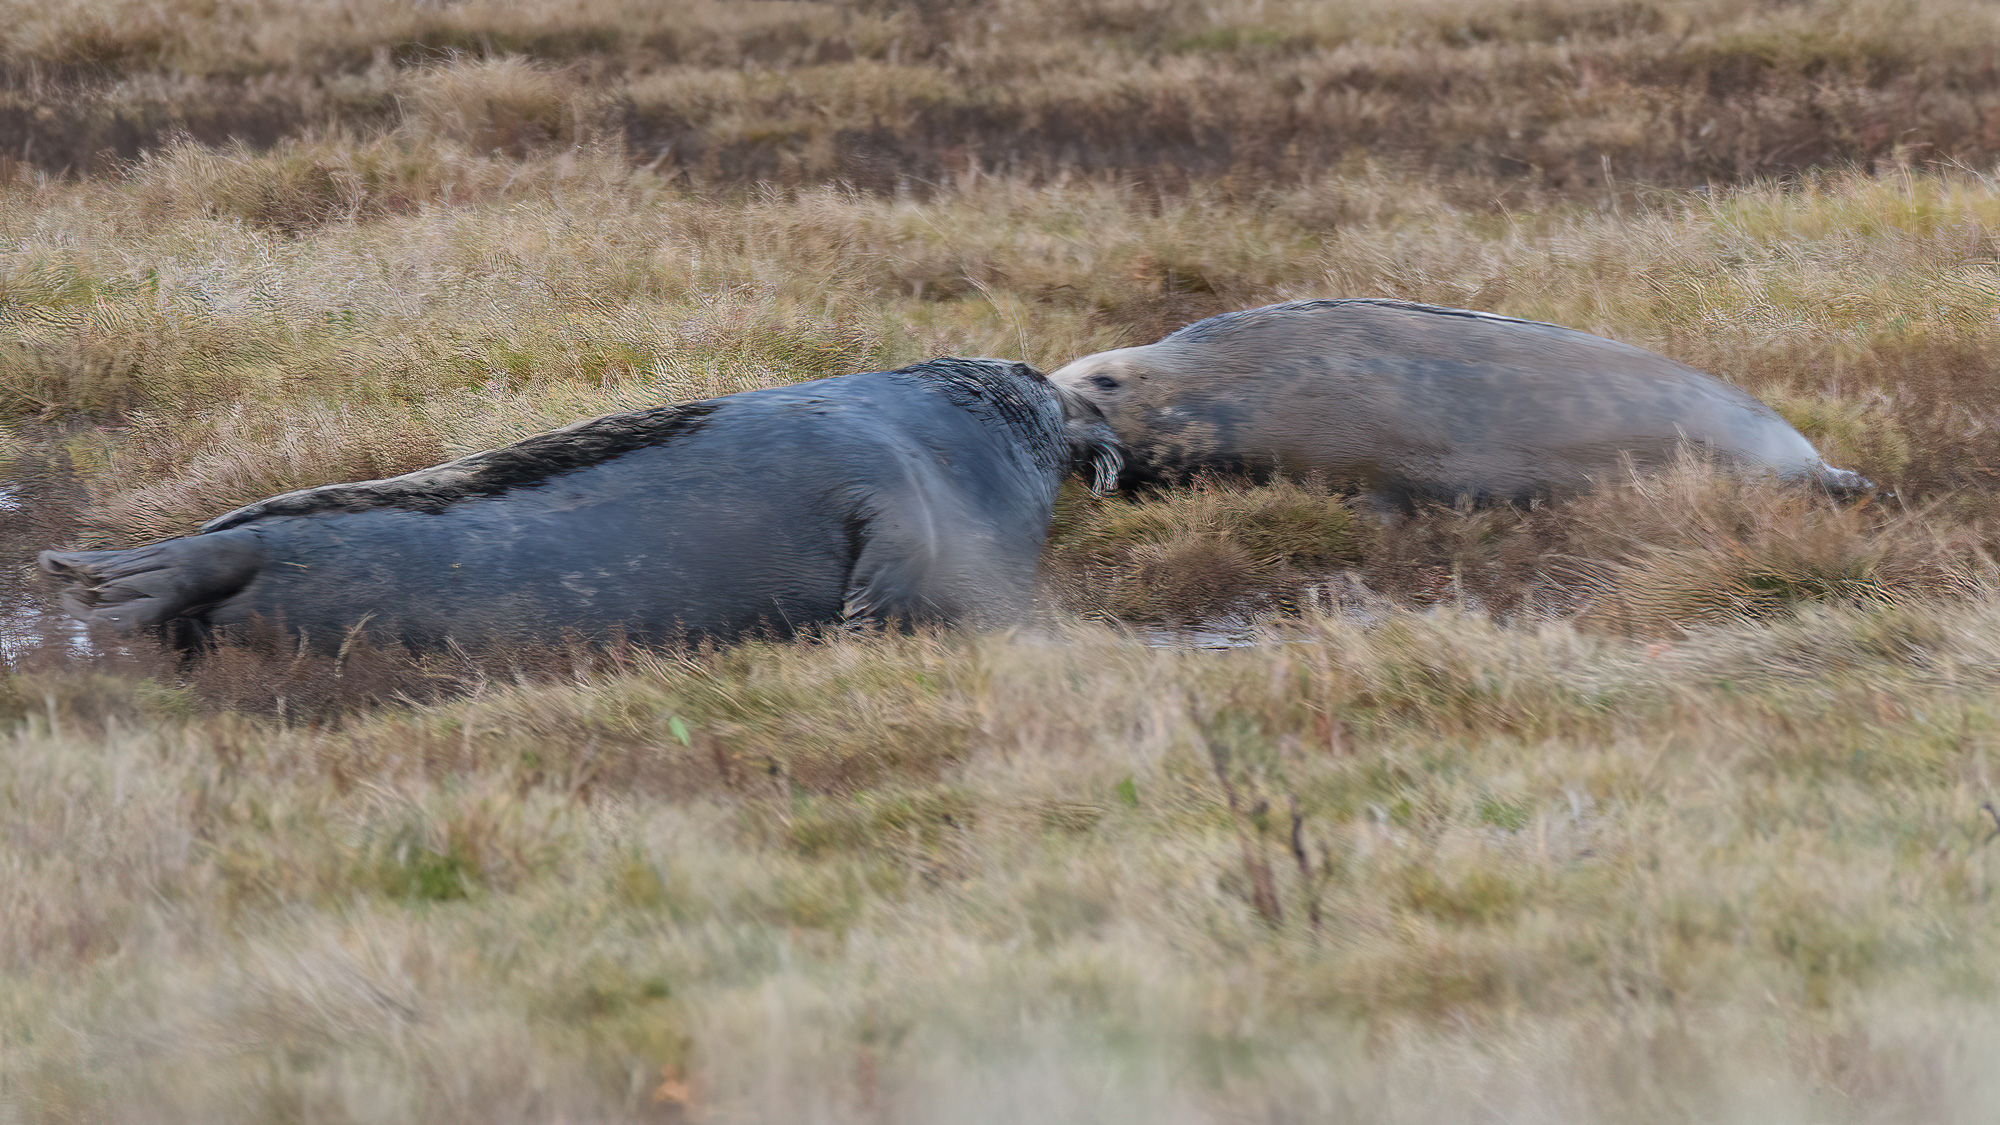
(1202, 552)
(1570, 95)
(1668, 803)
(540, 896)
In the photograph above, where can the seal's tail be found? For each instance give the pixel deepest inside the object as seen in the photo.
(1846, 484)
(147, 586)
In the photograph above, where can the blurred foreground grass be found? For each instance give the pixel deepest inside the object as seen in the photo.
(1429, 870)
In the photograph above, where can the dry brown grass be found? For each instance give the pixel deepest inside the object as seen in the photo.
(1645, 556)
(1686, 549)
(1861, 306)
(1671, 803)
(905, 879)
(1213, 549)
(1554, 93)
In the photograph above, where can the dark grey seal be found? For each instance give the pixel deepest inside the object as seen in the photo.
(911, 495)
(1410, 402)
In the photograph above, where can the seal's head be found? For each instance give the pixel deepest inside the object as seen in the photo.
(1107, 389)
(1108, 380)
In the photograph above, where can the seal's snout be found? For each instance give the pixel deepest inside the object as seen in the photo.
(1091, 440)
(1106, 462)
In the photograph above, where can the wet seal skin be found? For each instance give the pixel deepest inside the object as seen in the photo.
(922, 494)
(1406, 402)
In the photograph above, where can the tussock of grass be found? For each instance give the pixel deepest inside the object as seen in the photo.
(508, 106)
(1211, 549)
(1690, 547)
(245, 456)
(300, 185)
(1653, 555)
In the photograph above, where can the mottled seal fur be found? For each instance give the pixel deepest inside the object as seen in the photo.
(1409, 402)
(918, 494)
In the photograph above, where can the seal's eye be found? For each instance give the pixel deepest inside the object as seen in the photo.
(1104, 382)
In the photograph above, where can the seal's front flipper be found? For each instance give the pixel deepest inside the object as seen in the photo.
(148, 586)
(924, 558)
(890, 579)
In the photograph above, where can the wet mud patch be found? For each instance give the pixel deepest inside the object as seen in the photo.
(41, 504)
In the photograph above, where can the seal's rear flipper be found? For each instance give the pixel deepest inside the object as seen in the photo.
(148, 586)
(1846, 484)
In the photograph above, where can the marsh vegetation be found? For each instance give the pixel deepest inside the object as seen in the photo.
(1669, 803)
